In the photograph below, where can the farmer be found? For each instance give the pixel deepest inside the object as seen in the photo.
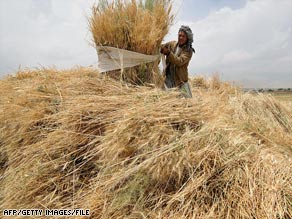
(178, 55)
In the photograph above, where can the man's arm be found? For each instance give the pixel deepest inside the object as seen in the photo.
(167, 45)
(184, 58)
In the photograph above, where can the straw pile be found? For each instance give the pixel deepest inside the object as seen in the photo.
(138, 26)
(76, 139)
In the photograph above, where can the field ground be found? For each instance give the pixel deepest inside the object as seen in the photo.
(283, 95)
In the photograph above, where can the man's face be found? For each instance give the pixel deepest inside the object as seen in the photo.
(182, 38)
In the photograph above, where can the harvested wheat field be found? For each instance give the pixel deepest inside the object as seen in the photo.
(78, 139)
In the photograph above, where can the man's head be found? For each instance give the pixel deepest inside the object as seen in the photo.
(185, 36)
(182, 38)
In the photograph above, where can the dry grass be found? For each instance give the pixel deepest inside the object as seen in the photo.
(134, 26)
(78, 139)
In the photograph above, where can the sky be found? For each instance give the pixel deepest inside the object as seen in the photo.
(248, 42)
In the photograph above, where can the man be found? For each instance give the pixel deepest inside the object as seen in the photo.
(178, 55)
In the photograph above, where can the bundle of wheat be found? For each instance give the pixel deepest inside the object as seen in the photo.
(138, 26)
(77, 139)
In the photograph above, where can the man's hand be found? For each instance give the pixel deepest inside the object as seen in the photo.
(164, 50)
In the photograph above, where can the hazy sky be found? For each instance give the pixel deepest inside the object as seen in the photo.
(247, 41)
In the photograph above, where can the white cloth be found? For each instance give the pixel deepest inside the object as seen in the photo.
(185, 90)
(111, 58)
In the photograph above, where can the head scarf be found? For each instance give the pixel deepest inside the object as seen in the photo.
(187, 30)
